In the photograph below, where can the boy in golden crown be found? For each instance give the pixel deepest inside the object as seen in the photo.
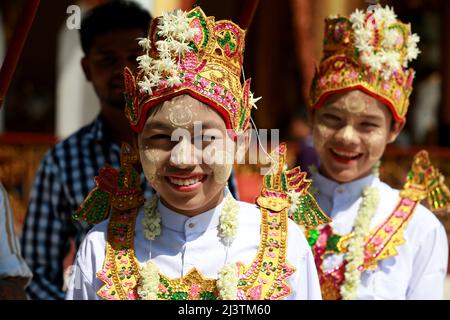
(382, 243)
(192, 240)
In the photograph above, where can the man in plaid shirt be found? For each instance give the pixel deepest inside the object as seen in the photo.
(66, 173)
(108, 37)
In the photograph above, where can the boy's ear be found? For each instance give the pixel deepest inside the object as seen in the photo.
(396, 128)
(242, 145)
(86, 68)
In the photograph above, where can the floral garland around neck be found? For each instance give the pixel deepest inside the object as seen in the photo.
(384, 55)
(356, 247)
(151, 222)
(355, 254)
(227, 281)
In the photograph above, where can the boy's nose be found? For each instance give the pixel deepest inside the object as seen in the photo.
(184, 155)
(347, 134)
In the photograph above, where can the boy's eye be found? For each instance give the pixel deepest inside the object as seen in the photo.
(208, 137)
(106, 61)
(369, 125)
(160, 137)
(205, 139)
(331, 117)
(156, 138)
(159, 140)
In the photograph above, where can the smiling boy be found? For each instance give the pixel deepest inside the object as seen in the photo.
(192, 240)
(381, 244)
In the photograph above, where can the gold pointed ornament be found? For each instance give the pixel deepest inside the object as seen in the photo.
(288, 189)
(424, 181)
(119, 189)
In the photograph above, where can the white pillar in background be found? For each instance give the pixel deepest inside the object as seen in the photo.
(76, 102)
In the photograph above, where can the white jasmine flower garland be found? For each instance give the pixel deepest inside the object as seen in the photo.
(149, 282)
(357, 18)
(355, 254)
(174, 27)
(144, 43)
(378, 38)
(253, 100)
(227, 281)
(151, 222)
(228, 221)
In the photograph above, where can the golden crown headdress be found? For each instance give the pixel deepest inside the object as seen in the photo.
(188, 52)
(369, 51)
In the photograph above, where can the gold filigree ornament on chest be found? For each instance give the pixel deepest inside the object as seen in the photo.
(424, 181)
(118, 195)
(283, 192)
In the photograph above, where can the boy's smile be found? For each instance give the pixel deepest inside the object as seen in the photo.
(186, 183)
(351, 131)
(345, 156)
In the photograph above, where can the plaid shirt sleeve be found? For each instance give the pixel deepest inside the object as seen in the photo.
(46, 232)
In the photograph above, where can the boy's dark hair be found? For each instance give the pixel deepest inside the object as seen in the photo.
(114, 15)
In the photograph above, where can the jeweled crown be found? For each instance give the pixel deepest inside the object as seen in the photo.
(369, 51)
(188, 52)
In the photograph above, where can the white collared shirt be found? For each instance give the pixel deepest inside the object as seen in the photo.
(419, 269)
(187, 242)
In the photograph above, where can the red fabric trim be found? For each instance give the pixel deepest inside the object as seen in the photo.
(324, 96)
(224, 114)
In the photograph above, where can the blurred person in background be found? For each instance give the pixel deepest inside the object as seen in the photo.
(306, 155)
(14, 272)
(108, 37)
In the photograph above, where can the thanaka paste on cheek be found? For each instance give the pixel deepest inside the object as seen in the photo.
(149, 164)
(220, 163)
(222, 173)
(222, 168)
(321, 135)
(376, 143)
